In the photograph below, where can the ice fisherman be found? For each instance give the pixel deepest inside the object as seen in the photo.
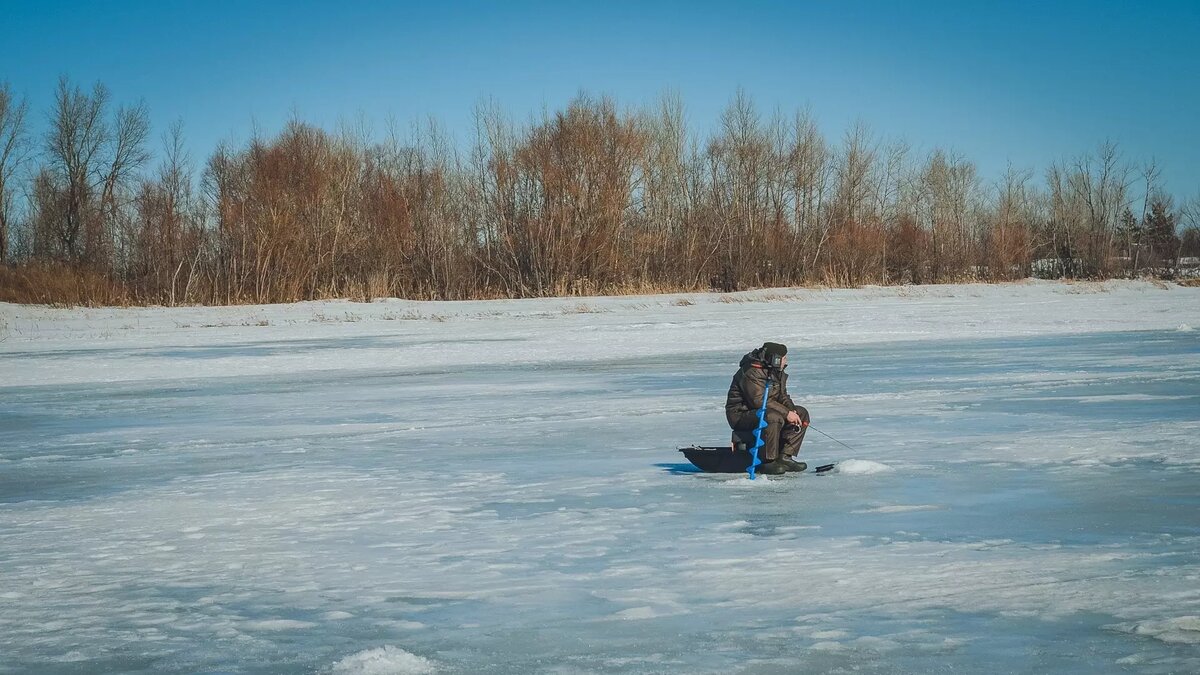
(786, 421)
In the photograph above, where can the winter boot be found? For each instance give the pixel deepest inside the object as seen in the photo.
(774, 468)
(791, 464)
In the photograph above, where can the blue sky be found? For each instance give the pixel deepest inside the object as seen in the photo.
(1008, 82)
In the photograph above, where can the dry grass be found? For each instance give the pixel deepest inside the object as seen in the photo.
(582, 308)
(346, 317)
(61, 285)
(414, 315)
(245, 323)
(53, 284)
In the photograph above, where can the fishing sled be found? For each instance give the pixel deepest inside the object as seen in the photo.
(726, 459)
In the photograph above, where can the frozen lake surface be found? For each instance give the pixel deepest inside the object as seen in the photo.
(494, 487)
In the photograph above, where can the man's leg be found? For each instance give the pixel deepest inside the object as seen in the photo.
(770, 437)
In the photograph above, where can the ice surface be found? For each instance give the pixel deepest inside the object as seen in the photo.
(1183, 629)
(494, 487)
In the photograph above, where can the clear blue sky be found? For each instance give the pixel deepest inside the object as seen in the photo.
(999, 82)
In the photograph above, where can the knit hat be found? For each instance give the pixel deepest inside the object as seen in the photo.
(774, 349)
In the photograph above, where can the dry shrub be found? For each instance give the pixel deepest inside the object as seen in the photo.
(1007, 252)
(908, 251)
(856, 254)
(52, 283)
(378, 285)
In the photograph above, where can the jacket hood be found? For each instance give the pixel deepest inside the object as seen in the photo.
(751, 358)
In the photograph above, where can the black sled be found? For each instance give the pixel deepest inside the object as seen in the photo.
(727, 459)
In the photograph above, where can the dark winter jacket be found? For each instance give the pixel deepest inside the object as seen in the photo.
(746, 394)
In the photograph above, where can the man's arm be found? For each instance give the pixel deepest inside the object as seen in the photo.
(791, 414)
(785, 399)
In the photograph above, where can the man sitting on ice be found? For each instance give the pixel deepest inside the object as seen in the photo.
(786, 421)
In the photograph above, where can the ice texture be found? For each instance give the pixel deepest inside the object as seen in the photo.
(403, 487)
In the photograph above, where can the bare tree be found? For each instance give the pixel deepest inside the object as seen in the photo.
(14, 151)
(167, 241)
(1101, 184)
(1007, 244)
(812, 172)
(76, 140)
(126, 154)
(665, 195)
(738, 163)
(584, 199)
(854, 174)
(949, 186)
(91, 164)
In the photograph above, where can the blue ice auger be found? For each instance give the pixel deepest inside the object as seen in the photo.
(762, 424)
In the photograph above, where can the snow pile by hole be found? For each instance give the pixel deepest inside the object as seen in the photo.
(1184, 328)
(1180, 630)
(386, 660)
(861, 467)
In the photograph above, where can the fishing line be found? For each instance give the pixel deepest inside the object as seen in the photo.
(810, 426)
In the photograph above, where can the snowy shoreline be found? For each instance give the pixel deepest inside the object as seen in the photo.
(431, 334)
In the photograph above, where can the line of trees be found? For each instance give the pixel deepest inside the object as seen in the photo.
(586, 200)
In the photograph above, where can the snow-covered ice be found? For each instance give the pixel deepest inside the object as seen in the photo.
(409, 487)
